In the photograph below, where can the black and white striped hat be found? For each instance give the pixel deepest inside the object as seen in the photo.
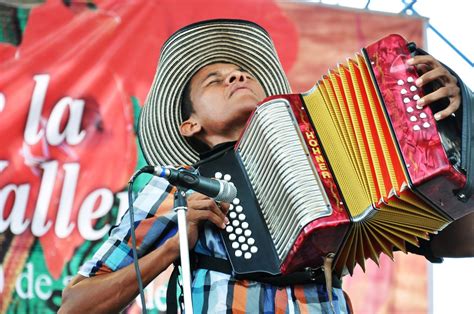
(239, 42)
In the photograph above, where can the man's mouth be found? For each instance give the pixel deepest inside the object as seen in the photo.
(238, 89)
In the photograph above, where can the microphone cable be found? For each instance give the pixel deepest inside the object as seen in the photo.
(134, 239)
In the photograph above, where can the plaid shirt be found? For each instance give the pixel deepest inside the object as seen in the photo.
(213, 292)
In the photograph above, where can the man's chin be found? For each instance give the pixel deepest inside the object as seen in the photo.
(247, 101)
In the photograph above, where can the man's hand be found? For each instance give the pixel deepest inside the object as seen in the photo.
(202, 208)
(434, 71)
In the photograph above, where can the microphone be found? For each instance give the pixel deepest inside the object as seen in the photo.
(219, 190)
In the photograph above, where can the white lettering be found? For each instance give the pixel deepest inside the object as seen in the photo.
(63, 226)
(43, 281)
(160, 297)
(2, 101)
(66, 280)
(32, 135)
(148, 298)
(72, 131)
(87, 213)
(17, 214)
(40, 226)
(28, 275)
(123, 205)
(3, 165)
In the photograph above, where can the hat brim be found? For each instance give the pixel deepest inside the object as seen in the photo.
(239, 42)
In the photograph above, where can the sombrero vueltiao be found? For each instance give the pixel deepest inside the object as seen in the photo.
(189, 49)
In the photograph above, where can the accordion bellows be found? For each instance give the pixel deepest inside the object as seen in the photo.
(352, 167)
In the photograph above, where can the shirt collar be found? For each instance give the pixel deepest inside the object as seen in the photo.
(216, 149)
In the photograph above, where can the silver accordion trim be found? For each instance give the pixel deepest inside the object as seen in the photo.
(282, 174)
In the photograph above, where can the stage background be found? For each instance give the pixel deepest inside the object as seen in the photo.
(71, 89)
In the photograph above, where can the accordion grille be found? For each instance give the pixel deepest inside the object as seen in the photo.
(282, 175)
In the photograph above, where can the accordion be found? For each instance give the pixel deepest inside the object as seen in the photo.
(353, 167)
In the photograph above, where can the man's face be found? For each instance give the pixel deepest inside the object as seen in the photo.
(223, 97)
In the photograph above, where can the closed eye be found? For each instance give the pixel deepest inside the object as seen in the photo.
(215, 81)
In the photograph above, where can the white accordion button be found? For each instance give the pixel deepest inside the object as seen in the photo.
(419, 107)
(229, 229)
(227, 177)
(410, 79)
(232, 215)
(413, 88)
(235, 245)
(248, 255)
(410, 109)
(406, 100)
(232, 237)
(238, 231)
(403, 91)
(245, 247)
(241, 239)
(236, 201)
(423, 115)
(247, 233)
(251, 241)
(416, 97)
(253, 249)
(218, 175)
(239, 209)
(235, 223)
(238, 253)
(231, 207)
(245, 225)
(426, 125)
(242, 217)
(400, 82)
(416, 128)
(413, 119)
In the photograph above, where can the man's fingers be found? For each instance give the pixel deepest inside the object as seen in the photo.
(197, 216)
(423, 68)
(440, 115)
(440, 74)
(437, 72)
(197, 196)
(209, 205)
(452, 92)
(424, 59)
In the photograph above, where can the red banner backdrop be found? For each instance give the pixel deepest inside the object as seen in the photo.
(68, 105)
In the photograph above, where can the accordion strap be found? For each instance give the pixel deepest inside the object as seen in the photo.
(467, 140)
(308, 276)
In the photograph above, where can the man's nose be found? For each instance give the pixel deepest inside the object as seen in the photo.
(236, 76)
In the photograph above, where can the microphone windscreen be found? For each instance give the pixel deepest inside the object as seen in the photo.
(227, 192)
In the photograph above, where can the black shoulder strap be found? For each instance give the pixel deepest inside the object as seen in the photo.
(467, 140)
(306, 276)
(171, 291)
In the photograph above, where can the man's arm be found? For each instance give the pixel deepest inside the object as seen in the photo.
(111, 292)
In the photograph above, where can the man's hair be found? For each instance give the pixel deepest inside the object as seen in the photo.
(186, 110)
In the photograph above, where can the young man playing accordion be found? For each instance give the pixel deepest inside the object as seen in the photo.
(210, 78)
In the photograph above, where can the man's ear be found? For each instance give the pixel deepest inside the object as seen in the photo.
(189, 128)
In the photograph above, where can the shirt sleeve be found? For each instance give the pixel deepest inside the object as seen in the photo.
(155, 222)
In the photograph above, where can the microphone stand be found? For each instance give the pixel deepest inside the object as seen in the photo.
(180, 207)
